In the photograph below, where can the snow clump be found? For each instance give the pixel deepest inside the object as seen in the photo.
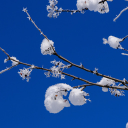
(105, 81)
(14, 61)
(47, 47)
(54, 101)
(93, 5)
(77, 97)
(113, 41)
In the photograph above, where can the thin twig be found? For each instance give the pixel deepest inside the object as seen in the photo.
(67, 10)
(5, 52)
(29, 17)
(120, 13)
(8, 69)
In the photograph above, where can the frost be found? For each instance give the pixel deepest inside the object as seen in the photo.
(93, 5)
(47, 47)
(25, 73)
(116, 92)
(77, 97)
(106, 81)
(57, 69)
(95, 71)
(52, 9)
(54, 101)
(113, 41)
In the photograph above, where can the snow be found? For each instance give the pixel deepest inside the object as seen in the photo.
(92, 5)
(14, 61)
(113, 41)
(77, 97)
(54, 101)
(47, 47)
(106, 81)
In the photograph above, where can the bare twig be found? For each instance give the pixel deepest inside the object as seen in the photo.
(5, 52)
(120, 13)
(29, 17)
(8, 69)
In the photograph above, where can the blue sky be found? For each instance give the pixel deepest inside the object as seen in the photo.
(78, 38)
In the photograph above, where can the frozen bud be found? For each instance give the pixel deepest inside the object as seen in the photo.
(54, 101)
(77, 97)
(25, 73)
(47, 47)
(105, 81)
(113, 41)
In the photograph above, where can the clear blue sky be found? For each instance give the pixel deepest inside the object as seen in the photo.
(77, 37)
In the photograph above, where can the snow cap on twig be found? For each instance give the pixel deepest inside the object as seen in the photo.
(113, 41)
(106, 82)
(47, 47)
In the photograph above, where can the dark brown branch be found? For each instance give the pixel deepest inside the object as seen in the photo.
(88, 70)
(5, 52)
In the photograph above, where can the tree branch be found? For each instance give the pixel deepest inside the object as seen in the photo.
(88, 70)
(74, 77)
